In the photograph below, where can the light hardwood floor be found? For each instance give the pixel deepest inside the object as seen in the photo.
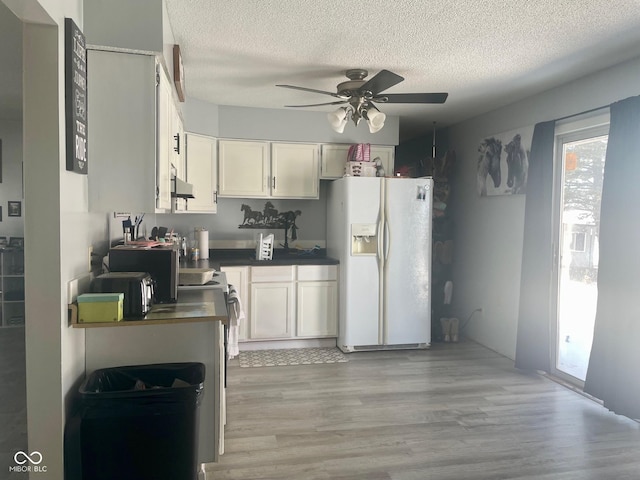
(13, 399)
(454, 412)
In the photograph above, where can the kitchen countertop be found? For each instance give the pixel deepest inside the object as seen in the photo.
(166, 313)
(242, 256)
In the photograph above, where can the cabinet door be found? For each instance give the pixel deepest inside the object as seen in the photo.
(294, 170)
(243, 168)
(317, 312)
(121, 113)
(239, 278)
(271, 310)
(386, 155)
(202, 173)
(334, 158)
(178, 157)
(165, 143)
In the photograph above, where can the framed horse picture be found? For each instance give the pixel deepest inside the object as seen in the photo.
(503, 163)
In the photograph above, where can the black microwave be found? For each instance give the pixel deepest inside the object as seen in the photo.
(162, 263)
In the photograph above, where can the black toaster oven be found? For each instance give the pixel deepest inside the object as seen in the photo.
(136, 286)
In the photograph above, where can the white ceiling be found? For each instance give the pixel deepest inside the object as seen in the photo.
(485, 53)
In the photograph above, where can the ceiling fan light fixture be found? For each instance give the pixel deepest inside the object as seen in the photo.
(375, 120)
(338, 119)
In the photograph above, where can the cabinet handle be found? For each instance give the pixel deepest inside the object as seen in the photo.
(215, 196)
(274, 182)
(177, 147)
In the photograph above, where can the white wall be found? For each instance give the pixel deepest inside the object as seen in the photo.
(124, 24)
(489, 230)
(275, 124)
(11, 186)
(58, 230)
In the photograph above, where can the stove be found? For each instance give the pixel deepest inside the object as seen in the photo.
(202, 293)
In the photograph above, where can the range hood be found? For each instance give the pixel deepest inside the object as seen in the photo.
(181, 189)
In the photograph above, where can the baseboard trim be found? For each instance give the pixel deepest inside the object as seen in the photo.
(294, 343)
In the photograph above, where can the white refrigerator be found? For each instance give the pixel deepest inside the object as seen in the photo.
(380, 230)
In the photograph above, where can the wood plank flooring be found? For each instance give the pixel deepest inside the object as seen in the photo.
(454, 412)
(13, 399)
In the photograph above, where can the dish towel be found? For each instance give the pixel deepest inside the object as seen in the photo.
(236, 315)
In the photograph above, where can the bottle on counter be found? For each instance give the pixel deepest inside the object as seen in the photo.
(183, 247)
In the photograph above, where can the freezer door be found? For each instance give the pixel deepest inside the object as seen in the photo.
(360, 321)
(407, 271)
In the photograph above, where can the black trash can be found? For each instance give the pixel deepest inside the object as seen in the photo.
(137, 422)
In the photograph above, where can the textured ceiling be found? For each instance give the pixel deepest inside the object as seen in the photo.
(485, 53)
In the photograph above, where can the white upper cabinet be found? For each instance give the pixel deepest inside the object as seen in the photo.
(201, 168)
(177, 153)
(243, 169)
(294, 170)
(122, 134)
(387, 157)
(334, 158)
(267, 170)
(166, 111)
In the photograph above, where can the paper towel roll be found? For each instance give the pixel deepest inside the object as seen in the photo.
(202, 236)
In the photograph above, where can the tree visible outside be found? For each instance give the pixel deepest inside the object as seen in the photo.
(582, 193)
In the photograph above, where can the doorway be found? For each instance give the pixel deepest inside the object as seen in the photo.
(580, 157)
(13, 403)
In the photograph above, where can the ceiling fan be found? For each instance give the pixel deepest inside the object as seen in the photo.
(361, 96)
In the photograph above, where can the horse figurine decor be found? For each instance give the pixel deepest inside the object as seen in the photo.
(270, 218)
(250, 215)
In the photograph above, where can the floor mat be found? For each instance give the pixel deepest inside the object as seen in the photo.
(291, 356)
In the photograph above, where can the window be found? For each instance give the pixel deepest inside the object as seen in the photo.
(578, 242)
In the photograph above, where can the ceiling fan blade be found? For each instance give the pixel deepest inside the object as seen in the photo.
(319, 104)
(412, 98)
(380, 82)
(304, 89)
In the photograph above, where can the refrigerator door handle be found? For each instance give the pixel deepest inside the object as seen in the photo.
(387, 240)
(380, 250)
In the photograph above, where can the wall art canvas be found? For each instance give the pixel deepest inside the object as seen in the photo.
(503, 163)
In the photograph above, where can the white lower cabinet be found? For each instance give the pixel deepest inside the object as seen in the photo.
(272, 302)
(317, 308)
(271, 310)
(287, 302)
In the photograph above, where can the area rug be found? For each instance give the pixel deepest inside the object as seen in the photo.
(291, 356)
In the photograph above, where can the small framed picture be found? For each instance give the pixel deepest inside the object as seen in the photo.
(17, 242)
(15, 209)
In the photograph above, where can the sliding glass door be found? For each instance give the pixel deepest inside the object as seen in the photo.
(580, 158)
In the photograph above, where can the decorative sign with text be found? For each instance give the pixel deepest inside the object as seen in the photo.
(75, 69)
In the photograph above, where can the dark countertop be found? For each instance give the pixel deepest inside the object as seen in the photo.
(246, 257)
(166, 313)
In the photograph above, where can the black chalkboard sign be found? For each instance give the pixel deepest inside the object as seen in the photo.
(75, 69)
